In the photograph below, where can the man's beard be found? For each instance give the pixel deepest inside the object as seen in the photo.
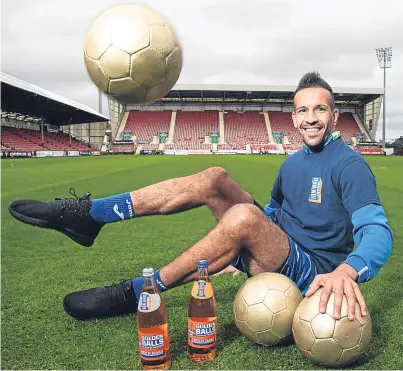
(321, 144)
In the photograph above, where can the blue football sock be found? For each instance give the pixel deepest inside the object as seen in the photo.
(112, 209)
(137, 284)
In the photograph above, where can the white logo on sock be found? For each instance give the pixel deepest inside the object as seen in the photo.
(129, 206)
(160, 283)
(116, 210)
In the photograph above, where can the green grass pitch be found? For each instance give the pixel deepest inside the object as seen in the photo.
(39, 267)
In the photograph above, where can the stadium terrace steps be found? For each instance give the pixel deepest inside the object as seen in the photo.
(282, 121)
(147, 124)
(268, 126)
(194, 126)
(348, 126)
(363, 128)
(190, 132)
(222, 127)
(246, 127)
(31, 140)
(122, 124)
(172, 128)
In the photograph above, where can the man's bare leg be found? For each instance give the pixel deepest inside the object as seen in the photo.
(244, 230)
(213, 187)
(81, 219)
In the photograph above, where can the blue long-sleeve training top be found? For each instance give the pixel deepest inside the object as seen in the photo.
(327, 201)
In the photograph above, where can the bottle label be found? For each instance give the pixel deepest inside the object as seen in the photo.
(153, 342)
(149, 302)
(202, 290)
(202, 332)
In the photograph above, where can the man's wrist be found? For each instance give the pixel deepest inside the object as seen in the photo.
(349, 270)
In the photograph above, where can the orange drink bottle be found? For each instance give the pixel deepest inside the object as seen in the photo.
(202, 317)
(152, 326)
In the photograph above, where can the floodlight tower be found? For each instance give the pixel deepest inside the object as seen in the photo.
(385, 61)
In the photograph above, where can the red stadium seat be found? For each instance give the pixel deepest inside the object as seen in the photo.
(245, 128)
(282, 121)
(31, 140)
(347, 126)
(193, 127)
(147, 124)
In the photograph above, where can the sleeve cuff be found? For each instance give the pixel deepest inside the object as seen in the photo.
(360, 266)
(273, 203)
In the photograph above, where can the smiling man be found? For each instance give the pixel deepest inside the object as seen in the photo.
(314, 111)
(324, 200)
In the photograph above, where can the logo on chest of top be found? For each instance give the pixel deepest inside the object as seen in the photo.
(316, 190)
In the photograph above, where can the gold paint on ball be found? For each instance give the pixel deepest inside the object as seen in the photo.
(132, 54)
(259, 318)
(326, 341)
(264, 308)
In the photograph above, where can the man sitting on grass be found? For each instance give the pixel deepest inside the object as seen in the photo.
(324, 200)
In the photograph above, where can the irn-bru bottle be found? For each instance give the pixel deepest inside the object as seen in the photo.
(202, 317)
(152, 326)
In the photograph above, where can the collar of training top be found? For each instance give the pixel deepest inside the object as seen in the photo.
(331, 137)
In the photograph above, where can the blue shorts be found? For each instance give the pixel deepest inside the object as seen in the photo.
(299, 267)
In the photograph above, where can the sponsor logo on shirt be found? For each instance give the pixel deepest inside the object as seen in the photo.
(316, 190)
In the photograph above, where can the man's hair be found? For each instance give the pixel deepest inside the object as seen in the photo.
(313, 80)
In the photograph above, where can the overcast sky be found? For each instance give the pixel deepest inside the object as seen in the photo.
(224, 42)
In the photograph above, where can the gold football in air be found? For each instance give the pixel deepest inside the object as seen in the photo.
(264, 308)
(132, 54)
(326, 341)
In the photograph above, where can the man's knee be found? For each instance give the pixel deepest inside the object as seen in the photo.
(242, 219)
(215, 173)
(215, 177)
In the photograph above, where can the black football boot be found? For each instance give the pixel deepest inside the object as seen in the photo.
(102, 302)
(67, 215)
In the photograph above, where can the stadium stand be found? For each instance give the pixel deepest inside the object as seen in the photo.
(31, 140)
(188, 113)
(270, 147)
(290, 148)
(245, 128)
(147, 124)
(282, 121)
(347, 126)
(232, 147)
(25, 107)
(122, 148)
(189, 146)
(369, 150)
(150, 146)
(193, 127)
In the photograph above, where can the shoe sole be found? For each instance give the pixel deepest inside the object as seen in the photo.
(76, 237)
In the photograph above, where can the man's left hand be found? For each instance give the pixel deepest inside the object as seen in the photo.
(342, 282)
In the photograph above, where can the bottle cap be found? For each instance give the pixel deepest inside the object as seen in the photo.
(148, 272)
(202, 264)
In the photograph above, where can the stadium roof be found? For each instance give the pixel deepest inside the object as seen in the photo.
(261, 94)
(20, 98)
